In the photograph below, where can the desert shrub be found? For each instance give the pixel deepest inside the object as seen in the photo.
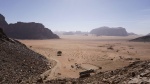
(59, 53)
(110, 47)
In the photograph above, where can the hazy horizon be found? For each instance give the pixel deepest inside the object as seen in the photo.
(80, 15)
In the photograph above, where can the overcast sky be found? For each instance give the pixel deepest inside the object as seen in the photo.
(83, 15)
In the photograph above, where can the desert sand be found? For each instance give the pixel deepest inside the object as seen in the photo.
(80, 53)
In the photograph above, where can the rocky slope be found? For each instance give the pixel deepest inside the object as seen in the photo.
(142, 39)
(106, 31)
(31, 30)
(136, 73)
(19, 64)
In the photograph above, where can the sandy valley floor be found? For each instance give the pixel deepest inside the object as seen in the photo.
(80, 53)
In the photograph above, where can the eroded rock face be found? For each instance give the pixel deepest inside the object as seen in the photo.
(19, 64)
(106, 31)
(31, 30)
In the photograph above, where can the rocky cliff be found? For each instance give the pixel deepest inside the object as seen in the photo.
(19, 64)
(106, 31)
(31, 30)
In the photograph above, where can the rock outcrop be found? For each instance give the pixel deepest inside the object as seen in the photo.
(19, 64)
(142, 39)
(31, 30)
(106, 31)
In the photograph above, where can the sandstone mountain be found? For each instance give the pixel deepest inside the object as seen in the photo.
(31, 30)
(19, 64)
(106, 31)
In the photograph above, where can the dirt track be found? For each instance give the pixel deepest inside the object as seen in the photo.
(54, 70)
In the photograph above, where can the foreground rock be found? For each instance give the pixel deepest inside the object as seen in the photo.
(106, 31)
(31, 30)
(142, 39)
(18, 64)
(136, 73)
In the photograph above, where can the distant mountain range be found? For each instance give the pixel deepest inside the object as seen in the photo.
(71, 33)
(22, 30)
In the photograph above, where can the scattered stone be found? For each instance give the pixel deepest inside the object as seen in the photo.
(100, 67)
(59, 73)
(133, 74)
(128, 59)
(40, 80)
(117, 50)
(137, 58)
